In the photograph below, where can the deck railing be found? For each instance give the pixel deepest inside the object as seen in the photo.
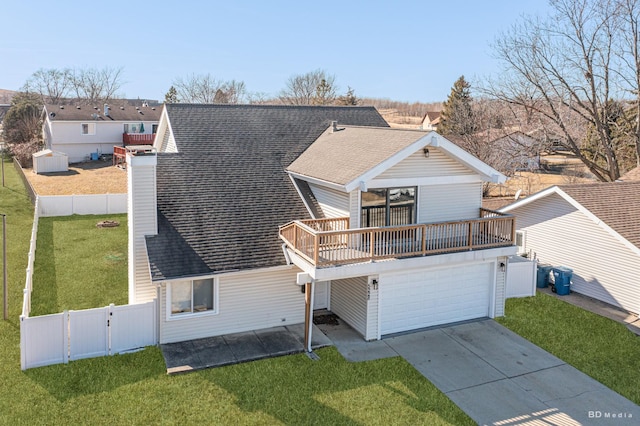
(329, 242)
(138, 138)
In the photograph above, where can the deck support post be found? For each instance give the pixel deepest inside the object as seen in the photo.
(308, 314)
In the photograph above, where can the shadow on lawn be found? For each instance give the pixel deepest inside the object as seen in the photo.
(96, 375)
(44, 297)
(296, 390)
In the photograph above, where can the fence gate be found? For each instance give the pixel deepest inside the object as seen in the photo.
(88, 333)
(132, 326)
(72, 335)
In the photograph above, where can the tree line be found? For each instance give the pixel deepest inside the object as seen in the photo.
(571, 78)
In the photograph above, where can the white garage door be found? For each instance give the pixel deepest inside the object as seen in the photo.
(411, 300)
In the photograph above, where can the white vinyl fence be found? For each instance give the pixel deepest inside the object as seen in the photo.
(521, 277)
(72, 335)
(67, 205)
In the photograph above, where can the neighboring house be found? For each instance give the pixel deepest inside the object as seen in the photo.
(382, 226)
(3, 111)
(82, 130)
(593, 229)
(522, 151)
(507, 151)
(631, 175)
(430, 120)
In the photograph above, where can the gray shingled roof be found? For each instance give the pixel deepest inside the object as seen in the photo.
(223, 196)
(338, 156)
(118, 111)
(617, 204)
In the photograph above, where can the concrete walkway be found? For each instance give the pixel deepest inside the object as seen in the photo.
(230, 349)
(494, 375)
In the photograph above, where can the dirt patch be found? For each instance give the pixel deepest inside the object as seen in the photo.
(92, 177)
(330, 319)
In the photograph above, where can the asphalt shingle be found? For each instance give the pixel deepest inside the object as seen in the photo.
(222, 197)
(617, 204)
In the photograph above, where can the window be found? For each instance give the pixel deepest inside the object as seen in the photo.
(520, 241)
(132, 128)
(192, 297)
(89, 128)
(388, 207)
(154, 128)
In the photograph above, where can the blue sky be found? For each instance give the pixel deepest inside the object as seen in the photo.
(404, 50)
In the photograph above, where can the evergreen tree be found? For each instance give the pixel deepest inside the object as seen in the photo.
(171, 97)
(22, 122)
(325, 93)
(457, 115)
(349, 98)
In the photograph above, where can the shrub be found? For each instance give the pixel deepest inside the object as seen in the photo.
(23, 152)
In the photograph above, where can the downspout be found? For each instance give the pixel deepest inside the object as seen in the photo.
(286, 254)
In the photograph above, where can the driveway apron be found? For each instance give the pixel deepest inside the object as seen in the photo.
(497, 377)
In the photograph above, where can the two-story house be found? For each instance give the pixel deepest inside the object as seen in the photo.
(82, 131)
(246, 217)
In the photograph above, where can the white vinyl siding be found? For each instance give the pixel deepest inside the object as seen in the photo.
(416, 165)
(332, 202)
(422, 298)
(64, 136)
(439, 203)
(354, 209)
(372, 310)
(142, 221)
(247, 301)
(321, 295)
(501, 288)
(560, 235)
(349, 302)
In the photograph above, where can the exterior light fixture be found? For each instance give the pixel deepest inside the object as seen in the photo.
(426, 152)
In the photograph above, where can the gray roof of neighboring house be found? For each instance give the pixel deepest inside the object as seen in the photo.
(118, 111)
(616, 203)
(337, 156)
(222, 197)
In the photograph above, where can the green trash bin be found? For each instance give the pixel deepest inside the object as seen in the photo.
(542, 277)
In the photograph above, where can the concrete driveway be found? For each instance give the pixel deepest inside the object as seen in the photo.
(497, 377)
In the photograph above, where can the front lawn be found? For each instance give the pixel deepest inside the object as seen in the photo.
(78, 265)
(598, 346)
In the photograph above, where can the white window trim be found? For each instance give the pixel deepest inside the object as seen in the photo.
(91, 129)
(181, 316)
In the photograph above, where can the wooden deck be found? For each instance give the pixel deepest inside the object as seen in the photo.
(329, 242)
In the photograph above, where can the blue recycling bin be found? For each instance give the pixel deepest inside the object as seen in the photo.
(542, 276)
(562, 277)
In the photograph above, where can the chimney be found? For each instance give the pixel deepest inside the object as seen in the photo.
(143, 221)
(106, 110)
(334, 126)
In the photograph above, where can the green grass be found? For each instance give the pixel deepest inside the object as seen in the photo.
(598, 346)
(134, 388)
(78, 265)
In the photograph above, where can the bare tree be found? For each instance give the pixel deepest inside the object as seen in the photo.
(51, 84)
(314, 87)
(629, 54)
(93, 84)
(206, 89)
(563, 70)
